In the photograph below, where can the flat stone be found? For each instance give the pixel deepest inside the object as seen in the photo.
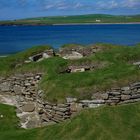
(33, 124)
(60, 109)
(136, 63)
(125, 97)
(94, 105)
(125, 88)
(18, 111)
(129, 101)
(17, 89)
(104, 96)
(60, 113)
(73, 107)
(48, 123)
(115, 98)
(63, 105)
(114, 93)
(70, 100)
(27, 84)
(48, 106)
(135, 85)
(44, 117)
(30, 107)
(5, 87)
(92, 101)
(136, 96)
(98, 96)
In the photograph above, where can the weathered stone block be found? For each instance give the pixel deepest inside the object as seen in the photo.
(61, 109)
(86, 102)
(5, 87)
(115, 98)
(71, 100)
(63, 105)
(73, 107)
(129, 101)
(136, 96)
(17, 89)
(94, 105)
(100, 96)
(114, 93)
(30, 107)
(44, 117)
(125, 97)
(48, 107)
(60, 113)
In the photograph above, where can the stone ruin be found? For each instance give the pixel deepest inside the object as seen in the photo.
(85, 66)
(77, 52)
(41, 56)
(22, 91)
(72, 53)
(115, 96)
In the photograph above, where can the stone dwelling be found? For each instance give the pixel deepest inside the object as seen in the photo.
(71, 52)
(43, 55)
(81, 68)
(77, 52)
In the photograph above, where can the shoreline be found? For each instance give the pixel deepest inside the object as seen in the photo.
(97, 23)
(57, 24)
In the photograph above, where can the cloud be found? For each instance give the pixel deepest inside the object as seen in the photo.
(131, 3)
(122, 4)
(62, 5)
(107, 4)
(71, 4)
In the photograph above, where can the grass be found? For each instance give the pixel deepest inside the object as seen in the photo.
(118, 72)
(104, 123)
(75, 19)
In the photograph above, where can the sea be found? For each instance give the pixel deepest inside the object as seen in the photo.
(14, 39)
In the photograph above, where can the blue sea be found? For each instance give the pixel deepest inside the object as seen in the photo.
(17, 38)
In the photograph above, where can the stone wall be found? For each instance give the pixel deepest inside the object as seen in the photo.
(22, 91)
(116, 96)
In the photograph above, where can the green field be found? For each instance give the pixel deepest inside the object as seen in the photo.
(104, 123)
(118, 71)
(93, 18)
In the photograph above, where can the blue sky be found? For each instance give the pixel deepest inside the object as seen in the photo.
(15, 9)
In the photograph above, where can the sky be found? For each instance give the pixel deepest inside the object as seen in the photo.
(18, 9)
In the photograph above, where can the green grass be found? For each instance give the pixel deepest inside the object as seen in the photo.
(75, 19)
(118, 71)
(104, 123)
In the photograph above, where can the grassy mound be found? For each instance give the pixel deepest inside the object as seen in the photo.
(104, 123)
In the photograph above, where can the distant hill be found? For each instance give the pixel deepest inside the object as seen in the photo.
(77, 19)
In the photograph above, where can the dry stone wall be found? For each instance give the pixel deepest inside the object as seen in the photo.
(115, 96)
(22, 91)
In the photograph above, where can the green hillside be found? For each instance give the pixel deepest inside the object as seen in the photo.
(104, 123)
(95, 18)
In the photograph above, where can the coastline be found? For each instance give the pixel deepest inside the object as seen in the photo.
(97, 23)
(57, 24)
